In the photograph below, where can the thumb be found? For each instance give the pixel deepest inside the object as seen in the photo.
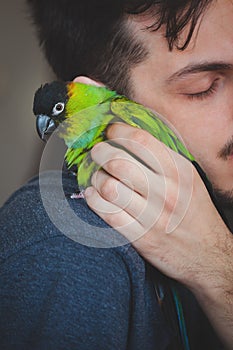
(86, 80)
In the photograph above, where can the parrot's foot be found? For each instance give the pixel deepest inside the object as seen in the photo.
(79, 195)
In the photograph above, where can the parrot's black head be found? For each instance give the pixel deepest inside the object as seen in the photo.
(49, 107)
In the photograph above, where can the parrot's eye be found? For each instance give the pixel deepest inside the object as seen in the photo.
(58, 108)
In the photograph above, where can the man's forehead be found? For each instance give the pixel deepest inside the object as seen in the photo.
(209, 49)
(214, 16)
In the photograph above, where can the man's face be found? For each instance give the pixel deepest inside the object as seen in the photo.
(193, 88)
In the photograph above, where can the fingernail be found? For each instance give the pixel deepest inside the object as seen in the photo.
(88, 192)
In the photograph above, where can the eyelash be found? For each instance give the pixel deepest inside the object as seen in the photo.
(204, 94)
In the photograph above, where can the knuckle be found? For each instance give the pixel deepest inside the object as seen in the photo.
(108, 188)
(171, 201)
(113, 220)
(141, 136)
(119, 162)
(117, 154)
(113, 165)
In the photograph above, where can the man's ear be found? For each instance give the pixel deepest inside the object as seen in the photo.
(86, 80)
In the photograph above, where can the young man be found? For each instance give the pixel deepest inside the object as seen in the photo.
(57, 294)
(193, 90)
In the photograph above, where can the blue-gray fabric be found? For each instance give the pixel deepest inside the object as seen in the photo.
(56, 293)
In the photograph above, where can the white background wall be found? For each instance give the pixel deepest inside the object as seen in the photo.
(22, 70)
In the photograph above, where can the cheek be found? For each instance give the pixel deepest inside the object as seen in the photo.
(201, 131)
(203, 127)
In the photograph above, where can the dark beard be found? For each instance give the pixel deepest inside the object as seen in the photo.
(224, 200)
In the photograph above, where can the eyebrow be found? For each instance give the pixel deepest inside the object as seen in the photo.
(199, 68)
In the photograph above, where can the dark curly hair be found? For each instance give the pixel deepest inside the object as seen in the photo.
(90, 37)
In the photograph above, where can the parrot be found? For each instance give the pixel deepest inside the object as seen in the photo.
(81, 114)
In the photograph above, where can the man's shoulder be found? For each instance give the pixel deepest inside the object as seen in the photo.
(63, 293)
(41, 217)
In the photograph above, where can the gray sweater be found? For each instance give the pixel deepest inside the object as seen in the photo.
(90, 292)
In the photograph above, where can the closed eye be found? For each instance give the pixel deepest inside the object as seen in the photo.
(204, 94)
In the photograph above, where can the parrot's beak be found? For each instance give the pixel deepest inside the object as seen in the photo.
(45, 126)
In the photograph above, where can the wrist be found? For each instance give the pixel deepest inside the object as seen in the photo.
(213, 274)
(215, 280)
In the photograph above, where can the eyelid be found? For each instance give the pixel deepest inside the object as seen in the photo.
(204, 93)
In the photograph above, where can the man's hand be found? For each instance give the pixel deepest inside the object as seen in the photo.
(162, 206)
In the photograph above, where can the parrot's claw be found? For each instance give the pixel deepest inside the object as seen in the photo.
(79, 195)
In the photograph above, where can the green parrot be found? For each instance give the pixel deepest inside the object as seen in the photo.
(84, 112)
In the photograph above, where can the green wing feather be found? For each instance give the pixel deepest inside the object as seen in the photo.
(87, 127)
(137, 115)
